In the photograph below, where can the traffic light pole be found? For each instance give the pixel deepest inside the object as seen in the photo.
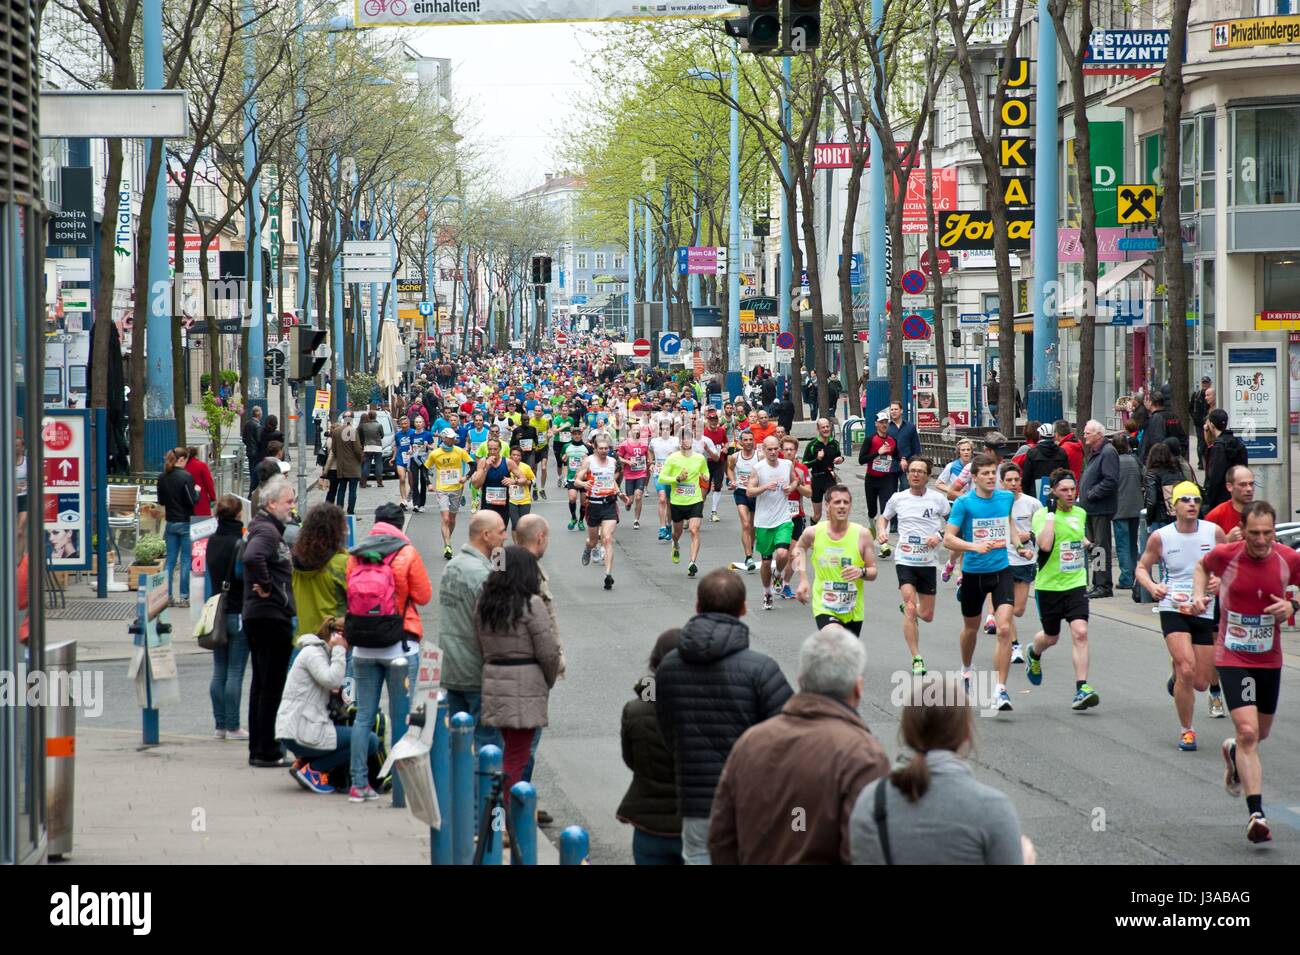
(733, 254)
(1044, 399)
(877, 387)
(786, 278)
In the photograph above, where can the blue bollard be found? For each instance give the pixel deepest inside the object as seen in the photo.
(523, 819)
(489, 764)
(462, 789)
(574, 843)
(440, 760)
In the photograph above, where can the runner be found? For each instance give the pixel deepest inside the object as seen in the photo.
(684, 472)
(540, 421)
(1241, 487)
(562, 430)
(448, 464)
(879, 453)
(1062, 584)
(489, 479)
(740, 467)
(980, 528)
(770, 485)
(790, 451)
(1178, 547)
(919, 512)
(1256, 594)
(422, 441)
(634, 456)
(519, 485)
(402, 439)
(599, 477)
(528, 439)
(663, 446)
(842, 560)
(1023, 569)
(475, 441)
(716, 432)
(822, 455)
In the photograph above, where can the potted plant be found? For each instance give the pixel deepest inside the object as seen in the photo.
(218, 414)
(150, 550)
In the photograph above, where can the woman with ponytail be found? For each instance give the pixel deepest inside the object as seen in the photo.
(932, 810)
(178, 495)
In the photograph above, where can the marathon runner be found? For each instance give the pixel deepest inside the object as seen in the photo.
(842, 558)
(562, 430)
(540, 422)
(662, 446)
(599, 477)
(770, 485)
(527, 439)
(740, 467)
(822, 455)
(684, 472)
(1257, 592)
(919, 511)
(1241, 487)
(402, 439)
(575, 452)
(716, 432)
(448, 464)
(422, 441)
(1023, 569)
(519, 485)
(1062, 584)
(634, 456)
(489, 479)
(1178, 548)
(790, 451)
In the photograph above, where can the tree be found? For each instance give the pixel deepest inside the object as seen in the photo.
(1171, 84)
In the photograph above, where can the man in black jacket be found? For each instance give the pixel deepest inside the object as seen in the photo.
(1099, 497)
(252, 437)
(708, 692)
(1226, 452)
(1042, 459)
(1198, 409)
(1162, 424)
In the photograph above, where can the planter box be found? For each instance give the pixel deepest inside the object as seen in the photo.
(137, 571)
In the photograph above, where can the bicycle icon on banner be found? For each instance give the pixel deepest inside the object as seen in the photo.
(375, 7)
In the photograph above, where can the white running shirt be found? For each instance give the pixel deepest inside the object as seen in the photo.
(1022, 512)
(920, 516)
(1179, 555)
(770, 508)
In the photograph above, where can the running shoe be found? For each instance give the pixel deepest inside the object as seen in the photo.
(787, 592)
(1217, 710)
(362, 795)
(1085, 698)
(1231, 779)
(677, 554)
(609, 581)
(990, 625)
(586, 556)
(1257, 828)
(1034, 669)
(692, 569)
(598, 554)
(1002, 701)
(959, 580)
(636, 525)
(312, 781)
(582, 525)
(947, 571)
(885, 550)
(663, 533)
(573, 524)
(750, 565)
(918, 666)
(1017, 655)
(1187, 741)
(966, 676)
(446, 552)
(767, 601)
(715, 519)
(541, 492)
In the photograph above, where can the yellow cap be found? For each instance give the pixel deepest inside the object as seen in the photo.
(1186, 489)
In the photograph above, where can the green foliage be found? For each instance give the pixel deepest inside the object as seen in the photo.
(150, 549)
(361, 388)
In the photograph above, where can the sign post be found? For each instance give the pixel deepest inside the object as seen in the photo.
(1253, 387)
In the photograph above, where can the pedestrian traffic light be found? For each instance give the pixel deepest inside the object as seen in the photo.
(306, 340)
(801, 25)
(956, 338)
(274, 365)
(541, 270)
(760, 32)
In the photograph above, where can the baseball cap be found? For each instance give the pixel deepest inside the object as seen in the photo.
(447, 433)
(1186, 489)
(882, 416)
(1219, 418)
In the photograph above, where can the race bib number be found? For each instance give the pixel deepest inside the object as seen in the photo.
(448, 477)
(517, 494)
(565, 437)
(418, 450)
(1249, 633)
(638, 460)
(839, 596)
(913, 550)
(793, 507)
(602, 486)
(989, 529)
(525, 444)
(881, 465)
(685, 489)
(474, 446)
(1071, 556)
(494, 495)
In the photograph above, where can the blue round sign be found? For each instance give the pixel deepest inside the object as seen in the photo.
(913, 282)
(915, 328)
(785, 340)
(670, 343)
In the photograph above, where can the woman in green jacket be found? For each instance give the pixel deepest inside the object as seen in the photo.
(320, 565)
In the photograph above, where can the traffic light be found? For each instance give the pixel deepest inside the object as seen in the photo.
(760, 32)
(956, 338)
(541, 270)
(274, 369)
(801, 25)
(306, 340)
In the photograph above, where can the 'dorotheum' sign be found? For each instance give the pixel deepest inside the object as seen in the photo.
(435, 13)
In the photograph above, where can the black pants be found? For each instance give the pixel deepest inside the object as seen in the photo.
(1200, 447)
(1099, 532)
(270, 642)
(341, 487)
(419, 478)
(252, 474)
(880, 488)
(373, 466)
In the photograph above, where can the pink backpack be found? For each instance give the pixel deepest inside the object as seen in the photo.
(373, 619)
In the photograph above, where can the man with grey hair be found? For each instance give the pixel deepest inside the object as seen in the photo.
(1099, 498)
(790, 783)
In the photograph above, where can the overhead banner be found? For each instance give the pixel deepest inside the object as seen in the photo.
(440, 13)
(974, 229)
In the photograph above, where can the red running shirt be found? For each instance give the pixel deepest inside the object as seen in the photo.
(1247, 636)
(1225, 515)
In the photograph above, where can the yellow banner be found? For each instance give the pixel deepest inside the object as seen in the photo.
(1255, 31)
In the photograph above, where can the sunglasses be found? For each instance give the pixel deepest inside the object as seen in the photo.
(1189, 500)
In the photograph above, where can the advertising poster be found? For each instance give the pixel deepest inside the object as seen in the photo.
(65, 504)
(925, 397)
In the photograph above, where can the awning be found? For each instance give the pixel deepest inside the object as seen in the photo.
(1106, 284)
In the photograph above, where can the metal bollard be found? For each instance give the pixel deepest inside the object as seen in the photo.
(440, 760)
(574, 844)
(462, 789)
(489, 765)
(523, 819)
(60, 749)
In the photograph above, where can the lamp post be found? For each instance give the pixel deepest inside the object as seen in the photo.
(159, 400)
(786, 267)
(877, 388)
(1044, 399)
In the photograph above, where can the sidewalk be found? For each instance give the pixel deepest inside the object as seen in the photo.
(100, 626)
(194, 800)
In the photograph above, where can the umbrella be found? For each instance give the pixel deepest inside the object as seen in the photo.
(390, 356)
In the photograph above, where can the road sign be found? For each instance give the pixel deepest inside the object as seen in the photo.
(915, 301)
(785, 340)
(641, 348)
(1135, 203)
(670, 343)
(1138, 243)
(368, 262)
(702, 260)
(426, 309)
(944, 260)
(916, 328)
(975, 320)
(916, 347)
(913, 282)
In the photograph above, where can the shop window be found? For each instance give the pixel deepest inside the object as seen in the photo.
(1281, 282)
(1266, 155)
(1206, 165)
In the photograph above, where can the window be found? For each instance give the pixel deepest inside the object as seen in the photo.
(581, 287)
(600, 260)
(1187, 167)
(620, 263)
(1266, 155)
(1281, 282)
(582, 260)
(1207, 305)
(1205, 127)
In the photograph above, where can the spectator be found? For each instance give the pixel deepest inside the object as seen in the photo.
(1099, 498)
(533, 534)
(992, 394)
(346, 453)
(906, 438)
(268, 616)
(1226, 452)
(1127, 511)
(251, 435)
(1227, 514)
(202, 475)
(230, 659)
(1162, 473)
(1072, 447)
(270, 433)
(521, 657)
(1176, 449)
(932, 811)
(1162, 424)
(784, 411)
(808, 763)
(178, 495)
(459, 589)
(1198, 409)
(650, 804)
(270, 466)
(767, 390)
(320, 567)
(710, 690)
(394, 664)
(1042, 459)
(951, 471)
(303, 724)
(417, 407)
(371, 435)
(1030, 438)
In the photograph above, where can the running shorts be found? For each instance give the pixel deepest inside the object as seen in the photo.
(1023, 573)
(1251, 686)
(975, 587)
(1203, 631)
(1057, 605)
(687, 512)
(632, 485)
(767, 540)
(825, 620)
(924, 579)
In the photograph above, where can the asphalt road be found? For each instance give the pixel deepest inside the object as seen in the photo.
(1107, 785)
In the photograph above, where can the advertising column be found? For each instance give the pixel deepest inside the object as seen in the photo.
(1253, 387)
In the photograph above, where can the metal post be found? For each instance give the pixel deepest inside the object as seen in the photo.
(303, 214)
(786, 265)
(1044, 399)
(649, 275)
(523, 818)
(733, 252)
(462, 788)
(101, 501)
(574, 845)
(631, 269)
(338, 387)
(696, 282)
(489, 764)
(160, 431)
(667, 267)
(254, 365)
(440, 761)
(877, 389)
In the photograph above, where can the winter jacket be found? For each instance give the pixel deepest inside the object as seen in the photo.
(809, 762)
(268, 563)
(221, 550)
(202, 475)
(519, 668)
(345, 450)
(251, 434)
(1073, 449)
(319, 592)
(458, 590)
(710, 690)
(1227, 452)
(1130, 501)
(908, 441)
(413, 587)
(1153, 496)
(178, 495)
(1163, 424)
(265, 438)
(303, 715)
(1099, 486)
(1040, 461)
(650, 802)
(370, 434)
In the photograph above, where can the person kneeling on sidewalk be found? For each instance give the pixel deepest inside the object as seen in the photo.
(303, 721)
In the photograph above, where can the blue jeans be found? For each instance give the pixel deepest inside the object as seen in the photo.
(371, 676)
(227, 686)
(178, 546)
(328, 760)
(373, 466)
(1126, 552)
(471, 702)
(649, 849)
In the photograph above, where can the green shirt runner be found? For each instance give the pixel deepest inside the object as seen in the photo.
(683, 474)
(1065, 567)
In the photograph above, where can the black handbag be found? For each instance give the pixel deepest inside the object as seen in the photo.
(210, 631)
